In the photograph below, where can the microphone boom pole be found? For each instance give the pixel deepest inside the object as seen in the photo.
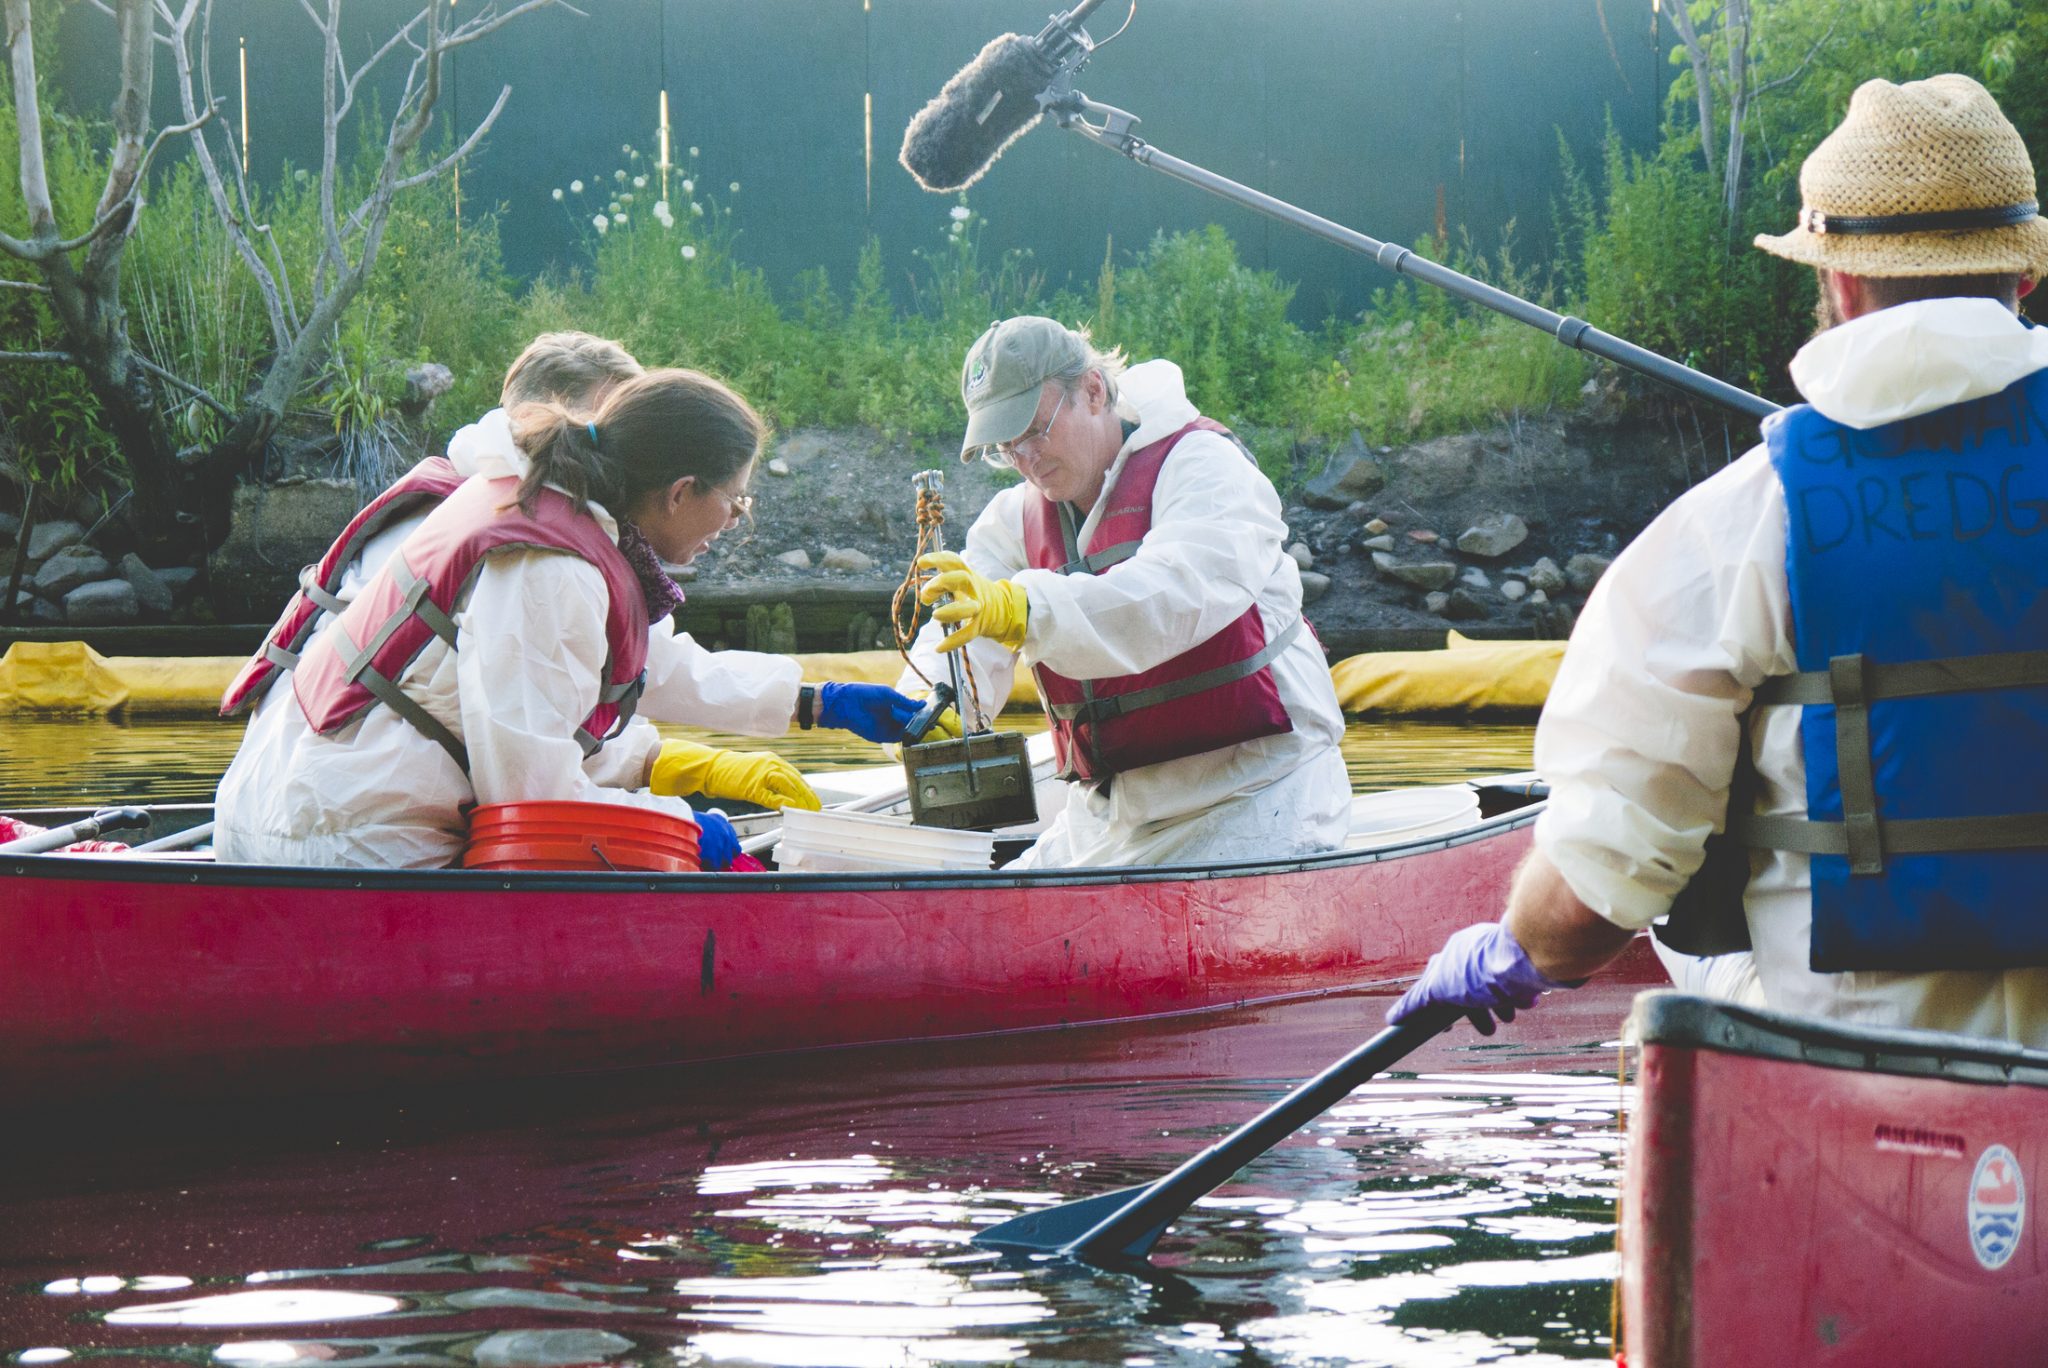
(1069, 107)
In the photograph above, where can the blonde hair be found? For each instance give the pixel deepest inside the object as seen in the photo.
(651, 431)
(564, 368)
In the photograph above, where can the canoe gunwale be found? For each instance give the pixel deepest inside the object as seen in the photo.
(114, 869)
(1678, 1019)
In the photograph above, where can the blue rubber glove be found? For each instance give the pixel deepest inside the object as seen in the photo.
(1482, 969)
(718, 845)
(873, 712)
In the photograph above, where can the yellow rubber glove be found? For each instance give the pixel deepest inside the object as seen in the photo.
(982, 607)
(759, 777)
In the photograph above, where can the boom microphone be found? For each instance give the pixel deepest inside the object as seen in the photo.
(990, 103)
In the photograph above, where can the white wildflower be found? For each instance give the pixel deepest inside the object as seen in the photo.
(961, 213)
(696, 209)
(689, 187)
(619, 176)
(618, 218)
(625, 149)
(734, 187)
(600, 223)
(639, 182)
(693, 151)
(689, 252)
(661, 209)
(626, 198)
(612, 208)
(575, 187)
(557, 194)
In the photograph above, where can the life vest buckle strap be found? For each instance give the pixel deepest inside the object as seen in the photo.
(1906, 836)
(1914, 678)
(395, 698)
(1854, 766)
(313, 589)
(1116, 705)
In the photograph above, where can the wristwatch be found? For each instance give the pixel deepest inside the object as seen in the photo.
(806, 706)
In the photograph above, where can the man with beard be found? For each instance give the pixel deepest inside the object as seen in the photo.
(1833, 655)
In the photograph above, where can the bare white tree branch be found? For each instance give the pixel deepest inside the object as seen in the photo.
(54, 357)
(186, 385)
(28, 285)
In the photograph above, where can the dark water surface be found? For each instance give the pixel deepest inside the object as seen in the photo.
(815, 1210)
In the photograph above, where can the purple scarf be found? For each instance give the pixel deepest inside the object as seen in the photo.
(663, 594)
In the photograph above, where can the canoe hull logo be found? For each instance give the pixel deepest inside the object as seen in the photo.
(1998, 1207)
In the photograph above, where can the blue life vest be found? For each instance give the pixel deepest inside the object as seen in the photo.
(1917, 555)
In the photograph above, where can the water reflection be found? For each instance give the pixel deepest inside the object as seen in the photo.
(818, 1212)
(64, 761)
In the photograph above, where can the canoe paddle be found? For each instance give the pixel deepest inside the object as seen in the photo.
(85, 829)
(1123, 1225)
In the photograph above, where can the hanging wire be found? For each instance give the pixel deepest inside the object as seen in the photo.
(1120, 32)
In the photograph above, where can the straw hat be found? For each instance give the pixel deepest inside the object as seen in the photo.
(1928, 178)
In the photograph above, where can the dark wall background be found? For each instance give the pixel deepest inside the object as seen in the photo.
(1370, 112)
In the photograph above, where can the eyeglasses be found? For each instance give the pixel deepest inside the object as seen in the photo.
(737, 506)
(1033, 441)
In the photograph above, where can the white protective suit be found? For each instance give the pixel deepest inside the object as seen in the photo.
(1638, 739)
(1216, 546)
(379, 793)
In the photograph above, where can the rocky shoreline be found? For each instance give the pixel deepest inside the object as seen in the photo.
(1495, 533)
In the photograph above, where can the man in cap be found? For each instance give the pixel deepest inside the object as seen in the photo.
(1139, 570)
(1845, 630)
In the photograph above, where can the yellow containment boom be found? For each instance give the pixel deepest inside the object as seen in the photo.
(1467, 677)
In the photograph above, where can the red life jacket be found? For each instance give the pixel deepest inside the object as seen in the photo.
(1220, 693)
(412, 599)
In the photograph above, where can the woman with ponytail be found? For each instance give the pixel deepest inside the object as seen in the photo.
(508, 638)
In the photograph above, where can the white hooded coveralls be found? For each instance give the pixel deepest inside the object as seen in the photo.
(1216, 547)
(1638, 738)
(379, 793)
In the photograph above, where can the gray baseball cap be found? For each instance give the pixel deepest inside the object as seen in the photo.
(1006, 371)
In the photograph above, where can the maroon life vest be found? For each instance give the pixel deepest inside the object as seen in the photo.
(425, 485)
(1220, 693)
(412, 599)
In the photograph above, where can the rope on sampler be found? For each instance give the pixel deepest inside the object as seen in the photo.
(903, 605)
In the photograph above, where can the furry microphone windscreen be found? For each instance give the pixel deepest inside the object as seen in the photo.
(989, 104)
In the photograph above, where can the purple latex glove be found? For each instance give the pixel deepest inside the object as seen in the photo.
(1482, 969)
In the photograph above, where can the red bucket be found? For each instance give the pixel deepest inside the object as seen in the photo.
(579, 836)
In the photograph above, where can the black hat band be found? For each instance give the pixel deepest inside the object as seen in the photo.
(1946, 220)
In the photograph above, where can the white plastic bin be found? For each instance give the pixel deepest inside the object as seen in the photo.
(1398, 815)
(855, 842)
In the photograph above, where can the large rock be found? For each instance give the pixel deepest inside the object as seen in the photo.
(1512, 589)
(102, 603)
(10, 528)
(180, 580)
(51, 537)
(1496, 534)
(1585, 569)
(1383, 542)
(846, 558)
(70, 567)
(273, 531)
(33, 611)
(1313, 586)
(1423, 575)
(425, 383)
(1465, 606)
(1474, 578)
(1545, 577)
(798, 559)
(150, 590)
(1302, 556)
(1349, 476)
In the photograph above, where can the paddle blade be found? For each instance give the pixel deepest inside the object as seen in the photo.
(1051, 1230)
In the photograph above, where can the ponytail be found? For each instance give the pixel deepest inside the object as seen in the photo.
(651, 431)
(562, 449)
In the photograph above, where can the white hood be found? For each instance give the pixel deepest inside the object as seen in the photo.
(486, 448)
(1915, 358)
(1153, 395)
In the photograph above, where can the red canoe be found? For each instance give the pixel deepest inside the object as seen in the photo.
(132, 974)
(1802, 1192)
